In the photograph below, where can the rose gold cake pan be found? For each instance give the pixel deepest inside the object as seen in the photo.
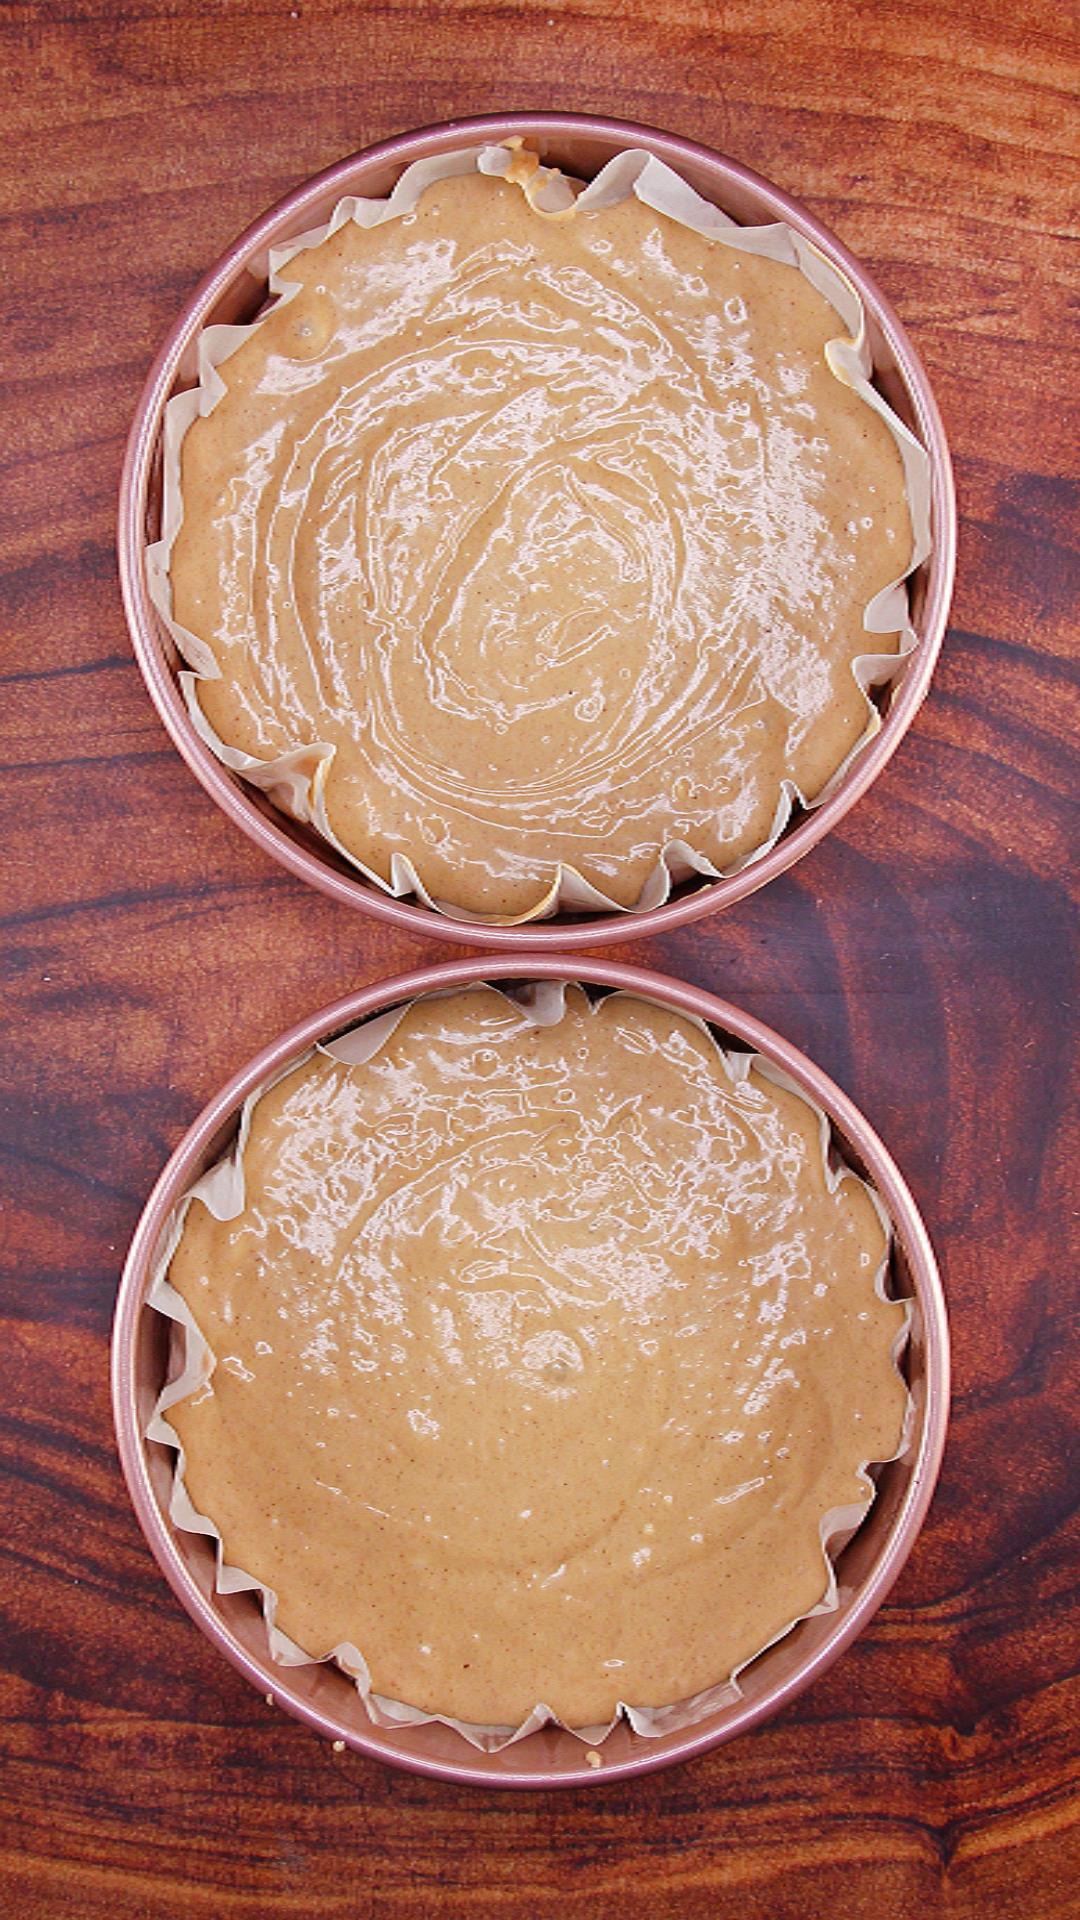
(321, 1694)
(235, 289)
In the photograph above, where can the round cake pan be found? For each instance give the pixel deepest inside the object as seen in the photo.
(321, 1694)
(234, 290)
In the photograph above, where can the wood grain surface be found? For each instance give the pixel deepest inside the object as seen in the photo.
(924, 956)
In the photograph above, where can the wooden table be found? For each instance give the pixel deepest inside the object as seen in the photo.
(923, 955)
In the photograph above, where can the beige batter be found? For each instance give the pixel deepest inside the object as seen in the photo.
(541, 1353)
(559, 532)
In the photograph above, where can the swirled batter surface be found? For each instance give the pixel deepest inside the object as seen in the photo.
(560, 533)
(541, 1352)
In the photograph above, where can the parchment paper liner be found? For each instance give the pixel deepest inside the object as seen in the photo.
(191, 1363)
(296, 781)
